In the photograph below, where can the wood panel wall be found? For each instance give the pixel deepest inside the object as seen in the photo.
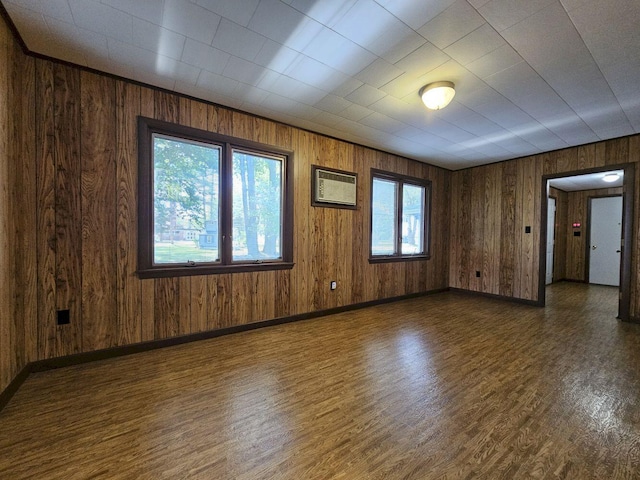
(517, 205)
(81, 206)
(17, 225)
(560, 248)
(576, 247)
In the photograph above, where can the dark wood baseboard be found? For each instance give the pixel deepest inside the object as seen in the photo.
(533, 303)
(79, 358)
(12, 388)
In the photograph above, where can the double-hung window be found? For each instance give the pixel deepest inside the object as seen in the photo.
(211, 203)
(399, 217)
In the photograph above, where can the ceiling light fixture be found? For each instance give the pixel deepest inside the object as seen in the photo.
(437, 95)
(611, 177)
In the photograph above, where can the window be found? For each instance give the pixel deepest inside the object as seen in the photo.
(399, 217)
(210, 203)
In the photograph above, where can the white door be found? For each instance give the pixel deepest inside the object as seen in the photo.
(605, 240)
(551, 226)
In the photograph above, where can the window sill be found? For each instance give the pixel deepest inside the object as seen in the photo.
(184, 271)
(406, 258)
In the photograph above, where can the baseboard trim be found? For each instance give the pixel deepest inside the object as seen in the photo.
(524, 301)
(7, 394)
(79, 358)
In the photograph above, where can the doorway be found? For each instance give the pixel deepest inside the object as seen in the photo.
(574, 229)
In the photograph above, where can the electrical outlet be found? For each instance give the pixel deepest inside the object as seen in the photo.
(333, 285)
(478, 273)
(64, 317)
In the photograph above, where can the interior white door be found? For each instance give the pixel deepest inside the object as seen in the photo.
(551, 226)
(605, 240)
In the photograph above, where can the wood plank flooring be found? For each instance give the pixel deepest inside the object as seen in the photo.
(445, 386)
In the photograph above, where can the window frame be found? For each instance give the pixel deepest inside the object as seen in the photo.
(147, 128)
(401, 180)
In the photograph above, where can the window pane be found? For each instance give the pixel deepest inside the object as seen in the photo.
(185, 201)
(257, 207)
(412, 219)
(383, 217)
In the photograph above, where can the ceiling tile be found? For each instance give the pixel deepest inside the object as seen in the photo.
(333, 104)
(327, 12)
(365, 95)
(379, 73)
(478, 43)
(372, 27)
(422, 60)
(338, 52)
(495, 61)
(355, 112)
(203, 56)
(502, 14)
(223, 85)
(383, 123)
(313, 72)
(58, 9)
(238, 12)
(156, 39)
(237, 40)
(416, 14)
(149, 10)
(243, 71)
(284, 24)
(102, 19)
(190, 19)
(276, 56)
(451, 25)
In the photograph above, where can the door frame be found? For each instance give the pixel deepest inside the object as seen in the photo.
(587, 246)
(628, 192)
(555, 234)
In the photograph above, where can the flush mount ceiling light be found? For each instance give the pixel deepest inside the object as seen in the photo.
(611, 177)
(437, 95)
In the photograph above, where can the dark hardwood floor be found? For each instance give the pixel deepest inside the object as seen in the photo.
(446, 386)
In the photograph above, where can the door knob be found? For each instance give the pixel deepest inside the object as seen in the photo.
(594, 247)
(617, 251)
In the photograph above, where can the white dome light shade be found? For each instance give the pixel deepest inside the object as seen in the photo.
(611, 177)
(437, 95)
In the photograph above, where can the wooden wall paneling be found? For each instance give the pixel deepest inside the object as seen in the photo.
(361, 228)
(634, 157)
(282, 293)
(519, 261)
(438, 271)
(560, 247)
(194, 114)
(224, 119)
(477, 212)
(66, 112)
(343, 245)
(9, 346)
(243, 303)
(170, 313)
(550, 163)
(536, 198)
(454, 219)
(586, 156)
(492, 223)
(24, 201)
(219, 313)
(129, 289)
(48, 344)
(567, 159)
(508, 228)
(169, 107)
(99, 212)
(147, 286)
(300, 292)
(600, 154)
(576, 245)
(617, 151)
(464, 228)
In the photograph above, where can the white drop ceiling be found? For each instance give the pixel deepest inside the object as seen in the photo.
(531, 75)
(590, 181)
